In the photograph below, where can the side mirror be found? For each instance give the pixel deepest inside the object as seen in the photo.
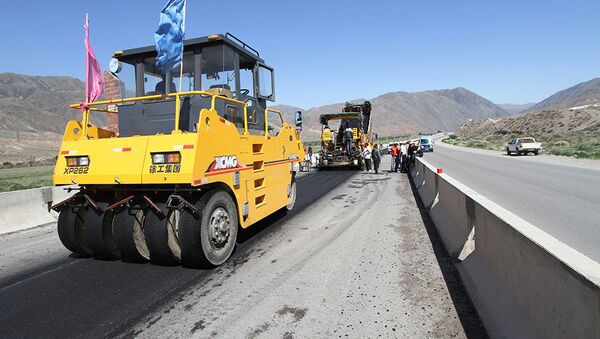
(298, 121)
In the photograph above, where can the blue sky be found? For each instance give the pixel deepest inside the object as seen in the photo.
(332, 51)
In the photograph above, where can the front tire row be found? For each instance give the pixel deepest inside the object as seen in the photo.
(202, 238)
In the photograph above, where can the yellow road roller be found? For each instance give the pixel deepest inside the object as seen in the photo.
(192, 156)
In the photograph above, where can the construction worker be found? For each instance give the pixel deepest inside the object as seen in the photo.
(412, 153)
(376, 158)
(394, 153)
(349, 136)
(367, 154)
(403, 157)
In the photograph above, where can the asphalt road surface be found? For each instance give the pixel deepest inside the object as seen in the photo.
(357, 257)
(557, 194)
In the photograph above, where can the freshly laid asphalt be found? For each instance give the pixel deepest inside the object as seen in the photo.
(357, 257)
(556, 194)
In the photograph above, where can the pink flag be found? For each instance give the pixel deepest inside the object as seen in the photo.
(94, 84)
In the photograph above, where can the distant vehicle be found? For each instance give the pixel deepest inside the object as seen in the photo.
(523, 146)
(425, 143)
(385, 149)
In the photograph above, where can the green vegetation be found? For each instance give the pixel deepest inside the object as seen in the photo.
(387, 140)
(579, 145)
(12, 179)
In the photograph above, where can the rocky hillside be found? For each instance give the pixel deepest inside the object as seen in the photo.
(561, 131)
(585, 93)
(33, 114)
(406, 113)
(36, 103)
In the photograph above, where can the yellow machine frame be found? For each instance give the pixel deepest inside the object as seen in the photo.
(256, 169)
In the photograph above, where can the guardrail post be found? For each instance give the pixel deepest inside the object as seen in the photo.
(436, 192)
(469, 245)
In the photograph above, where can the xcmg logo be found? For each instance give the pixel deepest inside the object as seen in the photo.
(223, 162)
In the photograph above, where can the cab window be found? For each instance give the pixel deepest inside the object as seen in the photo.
(265, 76)
(275, 123)
(154, 82)
(218, 70)
(126, 76)
(187, 81)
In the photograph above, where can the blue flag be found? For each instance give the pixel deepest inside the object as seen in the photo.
(169, 36)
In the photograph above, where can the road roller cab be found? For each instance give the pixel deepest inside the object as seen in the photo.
(192, 155)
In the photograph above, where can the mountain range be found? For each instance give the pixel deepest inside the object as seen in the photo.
(514, 109)
(37, 103)
(399, 113)
(34, 110)
(585, 93)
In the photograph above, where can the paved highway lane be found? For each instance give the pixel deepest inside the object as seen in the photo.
(556, 194)
(355, 257)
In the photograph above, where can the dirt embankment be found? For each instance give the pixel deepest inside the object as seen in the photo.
(569, 132)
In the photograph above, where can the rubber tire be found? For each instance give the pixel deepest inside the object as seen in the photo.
(70, 230)
(508, 151)
(536, 152)
(193, 231)
(292, 202)
(129, 235)
(161, 238)
(99, 233)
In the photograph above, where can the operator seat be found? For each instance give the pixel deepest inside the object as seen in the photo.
(162, 86)
(222, 90)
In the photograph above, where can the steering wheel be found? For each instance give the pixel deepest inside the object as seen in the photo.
(244, 91)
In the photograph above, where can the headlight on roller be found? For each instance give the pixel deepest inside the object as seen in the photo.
(78, 161)
(83, 161)
(158, 158)
(166, 158)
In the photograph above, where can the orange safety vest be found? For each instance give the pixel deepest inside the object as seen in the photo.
(394, 151)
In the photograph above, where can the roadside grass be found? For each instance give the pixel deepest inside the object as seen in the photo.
(579, 146)
(12, 179)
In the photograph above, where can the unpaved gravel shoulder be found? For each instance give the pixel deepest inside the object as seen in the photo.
(358, 262)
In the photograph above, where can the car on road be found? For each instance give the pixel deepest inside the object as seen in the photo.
(426, 143)
(523, 146)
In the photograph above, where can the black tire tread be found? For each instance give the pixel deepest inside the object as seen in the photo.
(99, 233)
(70, 230)
(125, 236)
(191, 228)
(160, 243)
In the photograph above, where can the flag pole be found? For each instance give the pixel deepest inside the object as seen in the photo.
(183, 29)
(86, 112)
(177, 98)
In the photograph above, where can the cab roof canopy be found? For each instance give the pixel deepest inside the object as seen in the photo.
(324, 118)
(195, 45)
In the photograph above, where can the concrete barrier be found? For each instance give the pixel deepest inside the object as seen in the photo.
(24, 209)
(523, 282)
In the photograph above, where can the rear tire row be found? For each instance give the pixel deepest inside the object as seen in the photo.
(206, 239)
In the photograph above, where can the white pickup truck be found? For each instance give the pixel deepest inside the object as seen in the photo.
(523, 146)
